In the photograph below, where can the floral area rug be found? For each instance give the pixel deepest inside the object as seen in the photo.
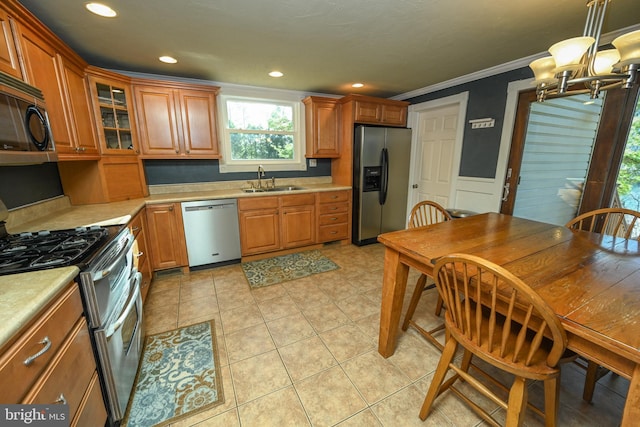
(178, 376)
(283, 268)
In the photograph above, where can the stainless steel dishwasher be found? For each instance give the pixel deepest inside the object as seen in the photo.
(211, 230)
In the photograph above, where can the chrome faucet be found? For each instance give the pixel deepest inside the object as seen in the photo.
(260, 175)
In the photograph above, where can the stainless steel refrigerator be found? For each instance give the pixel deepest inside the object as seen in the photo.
(381, 160)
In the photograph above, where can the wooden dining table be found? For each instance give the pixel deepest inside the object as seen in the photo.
(591, 281)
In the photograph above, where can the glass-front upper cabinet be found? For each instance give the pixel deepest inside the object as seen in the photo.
(114, 113)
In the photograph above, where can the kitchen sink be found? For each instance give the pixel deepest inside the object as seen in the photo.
(287, 188)
(273, 189)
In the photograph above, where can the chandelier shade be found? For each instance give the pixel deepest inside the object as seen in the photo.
(629, 47)
(576, 66)
(568, 54)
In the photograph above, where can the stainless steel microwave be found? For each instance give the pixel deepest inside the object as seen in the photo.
(25, 134)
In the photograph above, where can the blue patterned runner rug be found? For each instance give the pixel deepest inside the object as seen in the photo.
(283, 268)
(178, 376)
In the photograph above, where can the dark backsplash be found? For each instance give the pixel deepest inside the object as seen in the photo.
(191, 171)
(23, 185)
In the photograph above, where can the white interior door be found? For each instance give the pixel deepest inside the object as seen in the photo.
(436, 169)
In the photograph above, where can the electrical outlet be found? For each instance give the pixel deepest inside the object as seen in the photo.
(313, 163)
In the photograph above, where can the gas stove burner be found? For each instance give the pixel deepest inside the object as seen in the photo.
(52, 260)
(13, 248)
(11, 263)
(48, 249)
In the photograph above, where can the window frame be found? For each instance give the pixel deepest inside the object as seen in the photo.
(228, 165)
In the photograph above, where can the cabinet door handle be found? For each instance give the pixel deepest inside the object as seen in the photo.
(188, 151)
(134, 229)
(171, 208)
(177, 151)
(61, 399)
(139, 254)
(333, 218)
(47, 345)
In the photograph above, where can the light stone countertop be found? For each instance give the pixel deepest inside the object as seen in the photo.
(63, 215)
(23, 295)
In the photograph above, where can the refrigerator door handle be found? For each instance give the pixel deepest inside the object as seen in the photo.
(384, 161)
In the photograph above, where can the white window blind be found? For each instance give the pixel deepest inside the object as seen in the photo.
(557, 153)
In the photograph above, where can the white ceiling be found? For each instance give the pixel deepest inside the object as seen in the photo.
(322, 46)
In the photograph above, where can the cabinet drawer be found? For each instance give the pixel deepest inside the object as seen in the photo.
(246, 204)
(333, 196)
(55, 324)
(334, 208)
(92, 410)
(331, 219)
(328, 233)
(298, 199)
(69, 374)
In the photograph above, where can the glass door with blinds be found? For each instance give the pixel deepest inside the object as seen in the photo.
(548, 170)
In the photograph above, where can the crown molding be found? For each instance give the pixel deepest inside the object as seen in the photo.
(502, 68)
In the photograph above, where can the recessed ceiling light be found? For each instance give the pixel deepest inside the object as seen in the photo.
(276, 74)
(101, 9)
(357, 85)
(168, 59)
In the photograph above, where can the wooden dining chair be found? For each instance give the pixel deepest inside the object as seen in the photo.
(618, 222)
(495, 316)
(423, 214)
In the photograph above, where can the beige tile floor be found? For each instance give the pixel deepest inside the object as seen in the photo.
(304, 353)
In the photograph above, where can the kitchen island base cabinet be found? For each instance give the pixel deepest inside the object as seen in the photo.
(166, 239)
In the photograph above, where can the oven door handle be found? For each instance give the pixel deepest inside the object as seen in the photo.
(112, 328)
(101, 274)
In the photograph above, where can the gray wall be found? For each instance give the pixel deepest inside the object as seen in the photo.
(487, 98)
(22, 185)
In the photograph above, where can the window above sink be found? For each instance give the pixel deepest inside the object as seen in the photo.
(261, 127)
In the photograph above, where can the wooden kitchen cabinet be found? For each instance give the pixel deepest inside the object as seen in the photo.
(113, 112)
(360, 109)
(110, 179)
(176, 120)
(62, 366)
(273, 223)
(334, 215)
(60, 77)
(259, 221)
(9, 58)
(138, 227)
(298, 220)
(167, 243)
(377, 111)
(322, 127)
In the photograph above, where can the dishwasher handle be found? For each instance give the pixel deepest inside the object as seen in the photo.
(208, 207)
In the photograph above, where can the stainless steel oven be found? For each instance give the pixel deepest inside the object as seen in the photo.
(110, 286)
